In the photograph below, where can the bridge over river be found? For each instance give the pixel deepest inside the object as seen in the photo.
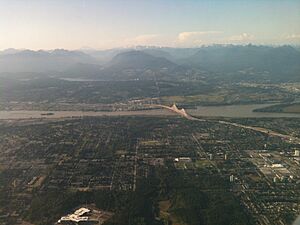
(181, 111)
(269, 132)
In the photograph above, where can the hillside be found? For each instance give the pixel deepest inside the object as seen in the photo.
(41, 61)
(276, 61)
(139, 60)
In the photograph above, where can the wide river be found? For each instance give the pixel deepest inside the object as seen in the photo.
(237, 111)
(233, 111)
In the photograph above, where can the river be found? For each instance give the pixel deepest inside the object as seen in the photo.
(234, 111)
(25, 114)
(238, 111)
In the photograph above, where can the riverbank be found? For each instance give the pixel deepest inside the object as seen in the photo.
(232, 111)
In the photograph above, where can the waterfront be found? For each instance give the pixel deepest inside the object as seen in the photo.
(232, 111)
(237, 111)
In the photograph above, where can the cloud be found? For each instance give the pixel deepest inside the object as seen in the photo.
(194, 35)
(241, 37)
(293, 37)
(144, 39)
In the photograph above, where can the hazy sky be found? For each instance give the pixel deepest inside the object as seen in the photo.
(72, 24)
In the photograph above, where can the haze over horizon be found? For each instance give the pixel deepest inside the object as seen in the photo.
(109, 24)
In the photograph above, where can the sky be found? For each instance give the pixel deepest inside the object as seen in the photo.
(104, 24)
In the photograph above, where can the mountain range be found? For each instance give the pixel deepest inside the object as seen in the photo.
(278, 62)
(41, 61)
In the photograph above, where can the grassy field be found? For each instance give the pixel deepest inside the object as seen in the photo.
(151, 143)
(203, 164)
(165, 215)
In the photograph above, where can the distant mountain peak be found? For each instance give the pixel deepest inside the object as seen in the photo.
(135, 59)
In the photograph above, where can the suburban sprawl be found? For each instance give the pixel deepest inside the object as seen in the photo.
(150, 136)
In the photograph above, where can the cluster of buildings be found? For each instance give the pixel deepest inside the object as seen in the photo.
(113, 153)
(85, 216)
